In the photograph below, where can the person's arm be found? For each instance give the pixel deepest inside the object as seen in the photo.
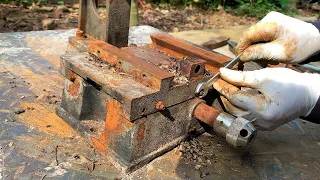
(317, 24)
(314, 115)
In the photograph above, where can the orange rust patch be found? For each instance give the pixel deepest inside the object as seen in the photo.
(146, 73)
(116, 125)
(98, 143)
(44, 119)
(72, 75)
(140, 134)
(206, 113)
(37, 82)
(182, 49)
(114, 82)
(140, 137)
(73, 88)
(113, 115)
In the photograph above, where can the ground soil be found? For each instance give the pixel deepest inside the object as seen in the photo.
(32, 18)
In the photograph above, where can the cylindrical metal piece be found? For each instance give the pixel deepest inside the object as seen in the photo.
(206, 114)
(222, 124)
(239, 132)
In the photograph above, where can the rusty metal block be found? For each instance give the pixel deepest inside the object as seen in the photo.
(193, 67)
(181, 49)
(133, 103)
(147, 73)
(216, 42)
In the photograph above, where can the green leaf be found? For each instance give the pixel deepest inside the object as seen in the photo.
(283, 3)
(60, 2)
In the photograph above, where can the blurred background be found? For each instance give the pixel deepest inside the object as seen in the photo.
(167, 15)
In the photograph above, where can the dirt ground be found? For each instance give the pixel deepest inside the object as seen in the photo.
(18, 18)
(15, 18)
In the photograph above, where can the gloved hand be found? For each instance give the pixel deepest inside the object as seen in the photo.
(280, 95)
(279, 38)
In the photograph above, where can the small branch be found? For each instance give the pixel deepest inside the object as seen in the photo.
(57, 155)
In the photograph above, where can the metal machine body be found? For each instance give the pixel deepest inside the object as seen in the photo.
(136, 103)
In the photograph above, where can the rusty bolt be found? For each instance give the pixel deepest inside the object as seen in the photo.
(79, 33)
(160, 105)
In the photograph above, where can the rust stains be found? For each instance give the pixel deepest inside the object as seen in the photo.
(115, 127)
(140, 136)
(100, 142)
(181, 49)
(80, 35)
(206, 114)
(36, 82)
(42, 117)
(160, 105)
(146, 73)
(73, 88)
(115, 83)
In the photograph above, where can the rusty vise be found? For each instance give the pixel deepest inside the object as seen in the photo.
(134, 103)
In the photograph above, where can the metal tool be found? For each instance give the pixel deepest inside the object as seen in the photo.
(238, 131)
(203, 87)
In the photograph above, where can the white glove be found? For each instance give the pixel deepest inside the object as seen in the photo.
(279, 38)
(283, 95)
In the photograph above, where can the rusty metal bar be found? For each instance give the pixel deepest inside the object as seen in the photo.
(146, 73)
(206, 114)
(111, 27)
(183, 49)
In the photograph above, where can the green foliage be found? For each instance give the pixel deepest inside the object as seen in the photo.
(283, 3)
(60, 2)
(259, 8)
(254, 8)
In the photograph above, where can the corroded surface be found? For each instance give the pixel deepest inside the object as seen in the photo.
(35, 140)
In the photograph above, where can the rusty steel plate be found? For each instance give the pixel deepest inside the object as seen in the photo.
(37, 144)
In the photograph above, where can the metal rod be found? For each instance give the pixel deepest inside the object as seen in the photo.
(206, 114)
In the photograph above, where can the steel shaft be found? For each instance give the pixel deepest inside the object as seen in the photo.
(238, 131)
